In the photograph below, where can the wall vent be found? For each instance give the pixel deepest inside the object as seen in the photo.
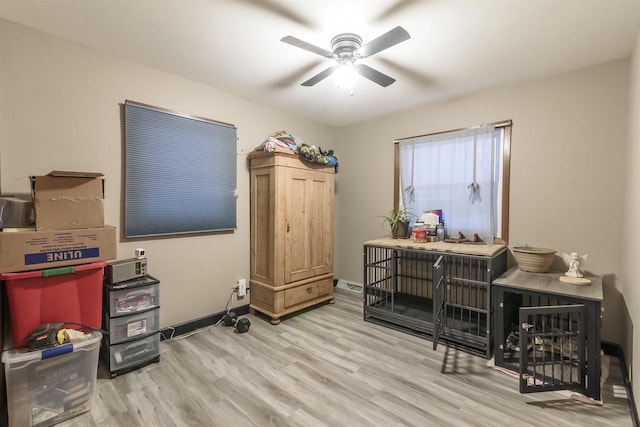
(349, 286)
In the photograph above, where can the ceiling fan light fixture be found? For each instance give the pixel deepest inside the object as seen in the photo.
(346, 75)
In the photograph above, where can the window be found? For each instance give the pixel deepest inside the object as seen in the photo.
(180, 173)
(465, 173)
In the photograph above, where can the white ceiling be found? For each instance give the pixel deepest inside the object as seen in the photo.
(456, 46)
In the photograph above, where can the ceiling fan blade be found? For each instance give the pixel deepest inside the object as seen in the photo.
(294, 41)
(296, 76)
(396, 8)
(374, 75)
(385, 41)
(320, 76)
(417, 77)
(280, 10)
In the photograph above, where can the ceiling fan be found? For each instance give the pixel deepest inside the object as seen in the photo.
(346, 49)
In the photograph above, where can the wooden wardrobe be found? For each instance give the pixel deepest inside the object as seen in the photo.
(291, 233)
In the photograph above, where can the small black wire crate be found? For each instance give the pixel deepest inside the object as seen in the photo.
(551, 341)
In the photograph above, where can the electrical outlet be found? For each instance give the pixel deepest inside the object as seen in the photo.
(242, 287)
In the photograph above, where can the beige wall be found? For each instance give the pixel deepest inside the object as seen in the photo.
(631, 226)
(569, 134)
(59, 109)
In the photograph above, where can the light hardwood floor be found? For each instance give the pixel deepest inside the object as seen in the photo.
(327, 367)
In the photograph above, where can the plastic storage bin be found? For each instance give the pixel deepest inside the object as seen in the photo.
(48, 386)
(133, 296)
(64, 294)
(126, 328)
(133, 353)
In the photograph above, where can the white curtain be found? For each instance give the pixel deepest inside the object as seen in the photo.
(456, 172)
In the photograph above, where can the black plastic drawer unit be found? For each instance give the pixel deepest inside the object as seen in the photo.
(131, 315)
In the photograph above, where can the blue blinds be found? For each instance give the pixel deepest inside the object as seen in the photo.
(180, 173)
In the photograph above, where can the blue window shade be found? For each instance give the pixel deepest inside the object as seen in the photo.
(180, 173)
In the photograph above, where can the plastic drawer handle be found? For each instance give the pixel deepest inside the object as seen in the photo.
(58, 271)
(57, 351)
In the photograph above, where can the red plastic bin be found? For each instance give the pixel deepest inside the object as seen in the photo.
(65, 294)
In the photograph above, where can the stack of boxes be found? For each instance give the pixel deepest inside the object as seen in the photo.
(70, 229)
(54, 274)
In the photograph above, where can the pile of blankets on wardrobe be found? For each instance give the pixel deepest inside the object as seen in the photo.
(310, 153)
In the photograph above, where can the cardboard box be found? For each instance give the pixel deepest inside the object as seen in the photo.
(35, 250)
(68, 200)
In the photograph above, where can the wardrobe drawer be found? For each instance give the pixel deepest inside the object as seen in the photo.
(307, 292)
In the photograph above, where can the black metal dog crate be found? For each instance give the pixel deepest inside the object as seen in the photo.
(548, 331)
(430, 291)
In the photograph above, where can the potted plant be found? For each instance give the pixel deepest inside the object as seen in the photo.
(533, 259)
(398, 220)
